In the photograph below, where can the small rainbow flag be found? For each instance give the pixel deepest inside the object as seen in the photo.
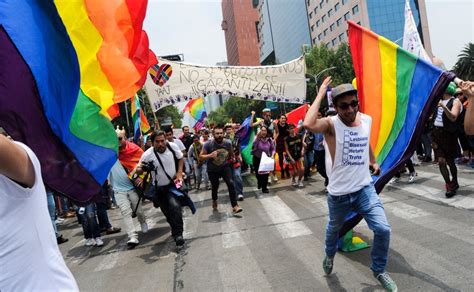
(64, 65)
(195, 107)
(140, 125)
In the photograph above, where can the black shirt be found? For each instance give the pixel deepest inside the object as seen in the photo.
(222, 160)
(295, 145)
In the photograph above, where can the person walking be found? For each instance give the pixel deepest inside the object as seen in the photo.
(124, 190)
(444, 138)
(281, 132)
(295, 152)
(198, 165)
(350, 182)
(165, 162)
(262, 144)
(236, 165)
(220, 156)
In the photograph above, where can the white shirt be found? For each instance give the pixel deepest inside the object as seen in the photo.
(180, 144)
(168, 162)
(30, 259)
(349, 172)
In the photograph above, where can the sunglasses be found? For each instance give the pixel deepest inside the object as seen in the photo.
(344, 106)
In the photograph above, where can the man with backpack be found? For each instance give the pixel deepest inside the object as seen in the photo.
(165, 162)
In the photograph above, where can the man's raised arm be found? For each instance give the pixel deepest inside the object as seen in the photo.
(311, 121)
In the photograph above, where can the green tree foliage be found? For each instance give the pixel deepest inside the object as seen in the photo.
(464, 67)
(235, 109)
(320, 58)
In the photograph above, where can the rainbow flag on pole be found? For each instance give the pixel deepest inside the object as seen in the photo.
(140, 123)
(398, 90)
(196, 109)
(63, 65)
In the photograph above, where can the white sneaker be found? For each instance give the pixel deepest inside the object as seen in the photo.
(412, 178)
(144, 226)
(394, 180)
(293, 182)
(99, 242)
(59, 220)
(132, 242)
(90, 242)
(300, 184)
(240, 197)
(274, 178)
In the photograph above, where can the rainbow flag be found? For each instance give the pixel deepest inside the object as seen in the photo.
(63, 65)
(399, 91)
(246, 134)
(196, 109)
(140, 123)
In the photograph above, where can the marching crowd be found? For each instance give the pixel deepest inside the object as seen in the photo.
(164, 168)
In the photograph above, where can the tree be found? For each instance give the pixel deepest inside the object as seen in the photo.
(464, 67)
(320, 58)
(235, 109)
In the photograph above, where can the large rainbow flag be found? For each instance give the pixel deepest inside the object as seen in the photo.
(63, 65)
(399, 91)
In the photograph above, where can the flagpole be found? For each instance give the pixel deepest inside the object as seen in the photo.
(126, 114)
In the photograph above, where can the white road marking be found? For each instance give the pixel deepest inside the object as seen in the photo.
(406, 211)
(231, 234)
(285, 220)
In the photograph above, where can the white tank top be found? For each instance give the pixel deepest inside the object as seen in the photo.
(350, 170)
(30, 259)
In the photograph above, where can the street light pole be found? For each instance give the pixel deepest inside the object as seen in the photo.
(319, 74)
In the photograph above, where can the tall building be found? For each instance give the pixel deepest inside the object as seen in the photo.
(283, 29)
(328, 19)
(240, 27)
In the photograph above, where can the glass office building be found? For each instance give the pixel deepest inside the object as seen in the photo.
(387, 17)
(283, 30)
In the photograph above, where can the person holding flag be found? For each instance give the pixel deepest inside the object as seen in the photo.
(350, 183)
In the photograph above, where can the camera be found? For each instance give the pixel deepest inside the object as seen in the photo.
(148, 166)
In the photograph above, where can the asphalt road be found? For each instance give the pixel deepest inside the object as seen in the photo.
(277, 243)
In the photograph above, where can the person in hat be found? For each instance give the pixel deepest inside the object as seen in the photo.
(347, 137)
(444, 138)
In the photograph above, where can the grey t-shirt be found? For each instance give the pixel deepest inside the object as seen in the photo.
(222, 160)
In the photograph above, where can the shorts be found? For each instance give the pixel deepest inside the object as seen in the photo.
(445, 144)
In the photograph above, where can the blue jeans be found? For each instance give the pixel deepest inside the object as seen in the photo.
(366, 202)
(308, 161)
(52, 211)
(102, 216)
(89, 222)
(238, 185)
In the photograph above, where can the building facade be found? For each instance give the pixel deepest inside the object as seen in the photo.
(283, 30)
(240, 20)
(328, 19)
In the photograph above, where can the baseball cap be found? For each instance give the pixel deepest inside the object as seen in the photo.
(266, 110)
(341, 90)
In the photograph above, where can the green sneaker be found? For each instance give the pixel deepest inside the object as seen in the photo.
(387, 282)
(327, 265)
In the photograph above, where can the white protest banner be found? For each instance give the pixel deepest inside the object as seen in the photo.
(172, 82)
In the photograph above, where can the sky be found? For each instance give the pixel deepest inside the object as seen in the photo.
(193, 28)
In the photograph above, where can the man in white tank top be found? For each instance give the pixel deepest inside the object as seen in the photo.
(30, 259)
(348, 161)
